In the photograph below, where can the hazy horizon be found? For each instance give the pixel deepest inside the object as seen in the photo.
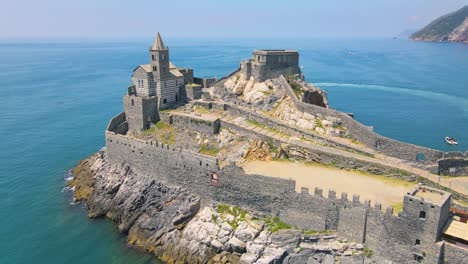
(86, 19)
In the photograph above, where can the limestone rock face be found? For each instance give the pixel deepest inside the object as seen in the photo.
(460, 34)
(271, 98)
(171, 223)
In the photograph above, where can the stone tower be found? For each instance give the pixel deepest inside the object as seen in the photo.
(141, 111)
(159, 59)
(425, 214)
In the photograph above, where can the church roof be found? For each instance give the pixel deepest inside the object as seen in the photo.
(145, 67)
(158, 43)
(172, 69)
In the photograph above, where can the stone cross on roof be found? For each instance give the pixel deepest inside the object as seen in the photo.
(158, 43)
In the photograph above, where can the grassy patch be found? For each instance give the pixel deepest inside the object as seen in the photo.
(311, 232)
(388, 179)
(396, 171)
(273, 223)
(210, 151)
(368, 252)
(237, 212)
(318, 123)
(255, 123)
(214, 218)
(353, 140)
(462, 202)
(163, 131)
(201, 110)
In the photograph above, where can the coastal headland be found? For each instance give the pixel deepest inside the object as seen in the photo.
(173, 173)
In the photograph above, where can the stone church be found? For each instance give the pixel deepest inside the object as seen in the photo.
(160, 77)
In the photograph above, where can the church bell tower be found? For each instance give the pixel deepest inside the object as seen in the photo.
(159, 58)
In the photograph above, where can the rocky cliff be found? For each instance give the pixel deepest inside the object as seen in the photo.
(452, 27)
(174, 225)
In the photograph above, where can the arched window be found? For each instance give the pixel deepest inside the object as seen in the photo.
(155, 68)
(152, 57)
(163, 57)
(165, 101)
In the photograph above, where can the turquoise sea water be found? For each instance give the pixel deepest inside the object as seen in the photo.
(57, 97)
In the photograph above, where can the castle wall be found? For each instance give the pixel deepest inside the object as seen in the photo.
(268, 64)
(352, 224)
(193, 92)
(116, 121)
(206, 126)
(453, 167)
(454, 254)
(188, 75)
(204, 82)
(140, 112)
(387, 235)
(365, 134)
(192, 171)
(262, 72)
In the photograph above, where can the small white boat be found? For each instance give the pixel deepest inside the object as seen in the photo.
(451, 141)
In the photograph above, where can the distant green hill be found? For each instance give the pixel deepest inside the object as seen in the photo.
(451, 27)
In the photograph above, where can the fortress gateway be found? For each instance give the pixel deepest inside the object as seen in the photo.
(430, 228)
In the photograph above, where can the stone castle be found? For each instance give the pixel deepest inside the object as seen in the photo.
(422, 232)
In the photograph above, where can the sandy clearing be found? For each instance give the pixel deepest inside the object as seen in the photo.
(369, 187)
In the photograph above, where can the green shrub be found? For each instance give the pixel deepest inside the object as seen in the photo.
(274, 224)
(367, 252)
(236, 211)
(163, 132)
(210, 151)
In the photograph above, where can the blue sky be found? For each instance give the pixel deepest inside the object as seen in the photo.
(217, 18)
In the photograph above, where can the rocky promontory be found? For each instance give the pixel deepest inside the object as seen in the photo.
(174, 225)
(452, 27)
(171, 174)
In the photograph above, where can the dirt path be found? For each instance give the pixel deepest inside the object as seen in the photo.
(381, 189)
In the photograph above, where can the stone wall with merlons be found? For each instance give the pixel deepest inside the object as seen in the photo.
(390, 236)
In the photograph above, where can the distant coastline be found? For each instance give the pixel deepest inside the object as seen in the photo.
(452, 27)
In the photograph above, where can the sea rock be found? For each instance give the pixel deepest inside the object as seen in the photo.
(236, 245)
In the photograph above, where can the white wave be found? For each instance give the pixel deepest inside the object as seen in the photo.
(449, 99)
(68, 176)
(68, 189)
